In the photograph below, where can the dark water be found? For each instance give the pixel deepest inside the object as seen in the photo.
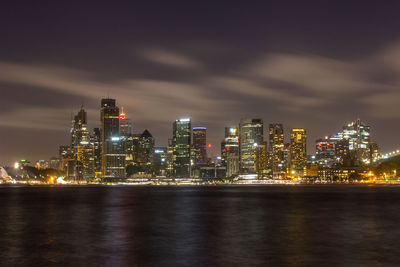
(200, 226)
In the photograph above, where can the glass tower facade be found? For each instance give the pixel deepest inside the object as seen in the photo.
(251, 134)
(113, 160)
(181, 142)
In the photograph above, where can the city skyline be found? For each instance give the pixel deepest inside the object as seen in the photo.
(302, 66)
(213, 149)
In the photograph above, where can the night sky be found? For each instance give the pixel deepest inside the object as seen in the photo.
(311, 64)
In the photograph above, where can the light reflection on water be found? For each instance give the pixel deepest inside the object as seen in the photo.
(205, 226)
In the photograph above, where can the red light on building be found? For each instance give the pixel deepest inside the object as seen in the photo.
(209, 145)
(228, 148)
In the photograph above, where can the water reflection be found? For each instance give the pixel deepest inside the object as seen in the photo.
(205, 226)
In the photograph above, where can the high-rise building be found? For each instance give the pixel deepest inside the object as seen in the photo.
(276, 148)
(261, 158)
(113, 159)
(325, 152)
(170, 159)
(79, 129)
(358, 135)
(200, 145)
(251, 134)
(85, 159)
(96, 141)
(298, 150)
(145, 151)
(230, 151)
(127, 139)
(125, 125)
(181, 142)
(160, 161)
(82, 148)
(66, 154)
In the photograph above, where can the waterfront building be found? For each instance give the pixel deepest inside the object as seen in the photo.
(160, 161)
(325, 155)
(181, 142)
(251, 134)
(85, 158)
(199, 146)
(113, 159)
(276, 149)
(96, 141)
(125, 125)
(298, 151)
(170, 159)
(358, 136)
(145, 152)
(261, 159)
(230, 151)
(82, 149)
(79, 130)
(54, 163)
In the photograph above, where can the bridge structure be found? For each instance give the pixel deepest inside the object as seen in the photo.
(387, 156)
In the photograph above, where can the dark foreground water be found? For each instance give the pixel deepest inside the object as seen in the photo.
(200, 226)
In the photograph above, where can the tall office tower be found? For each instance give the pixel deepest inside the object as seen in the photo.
(160, 161)
(79, 129)
(230, 151)
(286, 159)
(325, 152)
(261, 158)
(82, 148)
(66, 154)
(298, 150)
(276, 148)
(200, 145)
(170, 159)
(96, 141)
(125, 125)
(113, 160)
(145, 151)
(374, 152)
(85, 159)
(251, 134)
(358, 135)
(126, 140)
(181, 142)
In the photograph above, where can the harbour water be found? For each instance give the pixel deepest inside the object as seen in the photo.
(275, 225)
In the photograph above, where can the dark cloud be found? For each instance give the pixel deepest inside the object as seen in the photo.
(316, 66)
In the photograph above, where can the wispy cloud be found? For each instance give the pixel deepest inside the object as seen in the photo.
(169, 58)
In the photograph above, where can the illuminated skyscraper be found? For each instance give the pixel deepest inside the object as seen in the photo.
(170, 159)
(113, 160)
(276, 148)
(298, 150)
(96, 141)
(358, 135)
(181, 142)
(79, 129)
(251, 134)
(261, 158)
(86, 159)
(82, 148)
(160, 161)
(325, 152)
(125, 125)
(200, 145)
(145, 151)
(230, 151)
